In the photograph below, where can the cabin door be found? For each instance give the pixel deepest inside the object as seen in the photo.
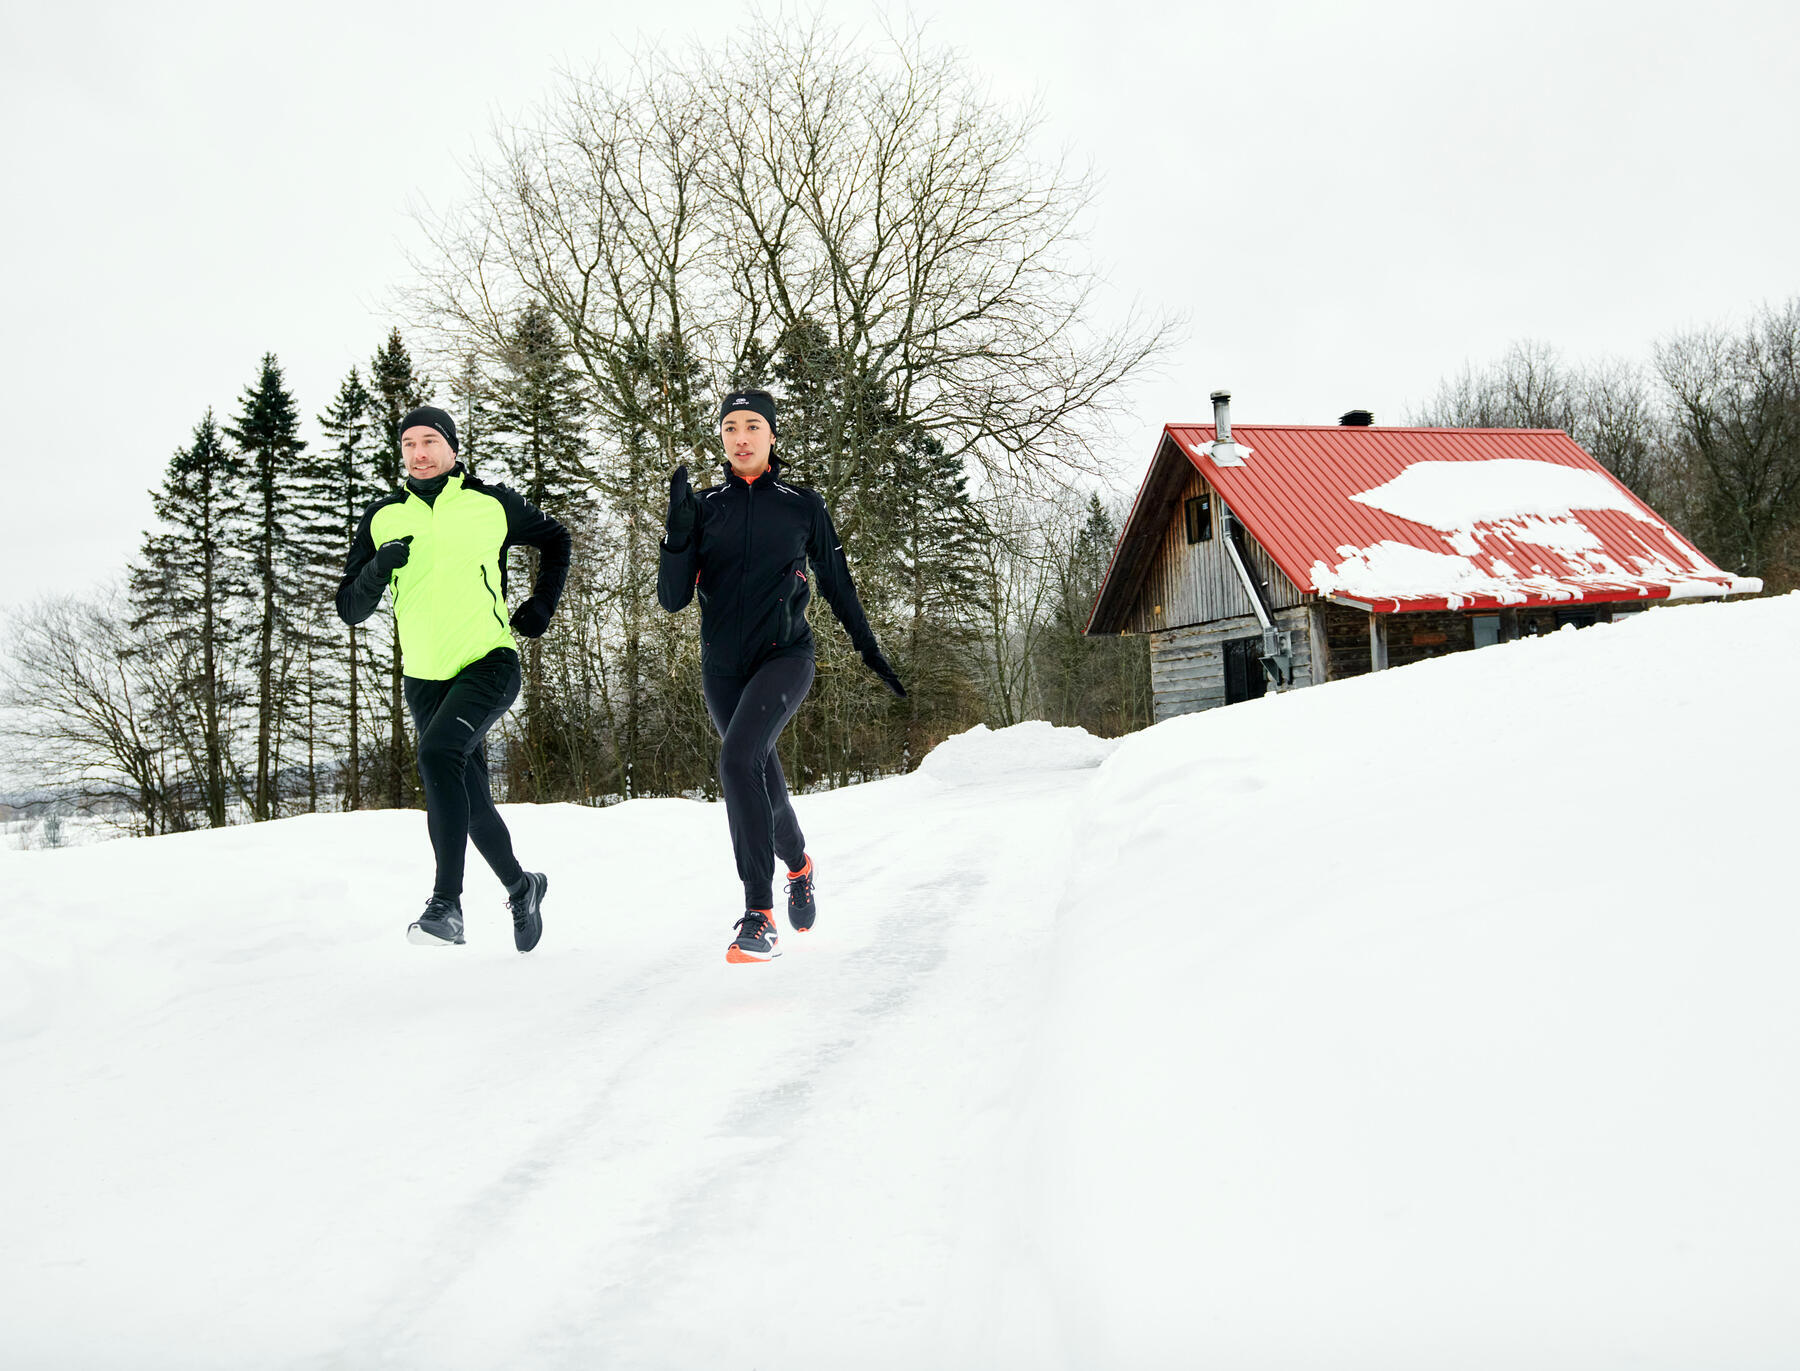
(1244, 678)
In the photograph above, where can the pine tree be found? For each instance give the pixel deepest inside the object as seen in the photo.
(538, 416)
(668, 430)
(340, 482)
(183, 585)
(929, 553)
(807, 372)
(397, 388)
(267, 433)
(473, 397)
(536, 430)
(903, 513)
(1100, 684)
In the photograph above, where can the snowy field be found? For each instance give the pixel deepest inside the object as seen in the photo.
(1445, 1018)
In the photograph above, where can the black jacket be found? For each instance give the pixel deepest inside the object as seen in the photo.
(747, 558)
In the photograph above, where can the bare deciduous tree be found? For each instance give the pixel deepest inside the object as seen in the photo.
(1016, 589)
(1606, 406)
(73, 683)
(858, 223)
(1529, 387)
(1736, 402)
(698, 206)
(1710, 438)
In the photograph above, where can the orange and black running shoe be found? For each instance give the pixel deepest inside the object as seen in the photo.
(756, 940)
(800, 898)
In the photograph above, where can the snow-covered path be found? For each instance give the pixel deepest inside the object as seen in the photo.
(1441, 1018)
(261, 1120)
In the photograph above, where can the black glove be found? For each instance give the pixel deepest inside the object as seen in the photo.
(683, 510)
(531, 618)
(873, 659)
(390, 557)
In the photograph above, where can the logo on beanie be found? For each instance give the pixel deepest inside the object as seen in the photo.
(756, 401)
(430, 416)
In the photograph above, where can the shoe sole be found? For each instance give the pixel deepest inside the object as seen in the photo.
(424, 937)
(543, 890)
(734, 953)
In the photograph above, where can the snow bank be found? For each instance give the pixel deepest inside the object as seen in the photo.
(984, 754)
(1443, 1017)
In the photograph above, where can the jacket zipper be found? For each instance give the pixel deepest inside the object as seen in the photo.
(749, 505)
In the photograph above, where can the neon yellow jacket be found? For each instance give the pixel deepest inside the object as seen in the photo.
(450, 597)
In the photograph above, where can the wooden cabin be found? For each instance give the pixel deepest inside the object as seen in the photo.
(1263, 558)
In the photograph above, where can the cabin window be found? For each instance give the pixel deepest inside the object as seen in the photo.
(1199, 519)
(1581, 618)
(1487, 629)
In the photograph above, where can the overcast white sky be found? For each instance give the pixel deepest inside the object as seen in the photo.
(1347, 201)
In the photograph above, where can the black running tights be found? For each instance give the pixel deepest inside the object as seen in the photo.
(750, 712)
(453, 718)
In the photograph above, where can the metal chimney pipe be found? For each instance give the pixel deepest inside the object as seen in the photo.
(1221, 416)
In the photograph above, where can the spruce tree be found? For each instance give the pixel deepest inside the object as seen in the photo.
(397, 388)
(537, 423)
(183, 586)
(472, 394)
(807, 372)
(267, 433)
(928, 554)
(667, 429)
(341, 481)
(538, 416)
(890, 488)
(1100, 684)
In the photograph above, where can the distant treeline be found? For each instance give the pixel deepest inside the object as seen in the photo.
(220, 686)
(1708, 432)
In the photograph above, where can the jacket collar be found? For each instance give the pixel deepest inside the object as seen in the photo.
(763, 482)
(435, 488)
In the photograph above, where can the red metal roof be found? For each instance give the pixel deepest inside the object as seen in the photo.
(1297, 493)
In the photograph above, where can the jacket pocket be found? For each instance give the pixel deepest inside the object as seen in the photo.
(793, 601)
(492, 597)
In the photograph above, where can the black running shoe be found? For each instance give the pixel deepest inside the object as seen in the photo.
(440, 923)
(527, 910)
(756, 940)
(800, 898)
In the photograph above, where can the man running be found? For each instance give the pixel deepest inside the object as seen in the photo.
(439, 545)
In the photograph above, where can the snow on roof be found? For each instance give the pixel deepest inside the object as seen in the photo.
(1456, 496)
(1417, 519)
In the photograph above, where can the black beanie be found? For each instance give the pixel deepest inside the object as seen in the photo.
(432, 417)
(759, 401)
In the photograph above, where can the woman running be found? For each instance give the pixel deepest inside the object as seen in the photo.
(744, 545)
